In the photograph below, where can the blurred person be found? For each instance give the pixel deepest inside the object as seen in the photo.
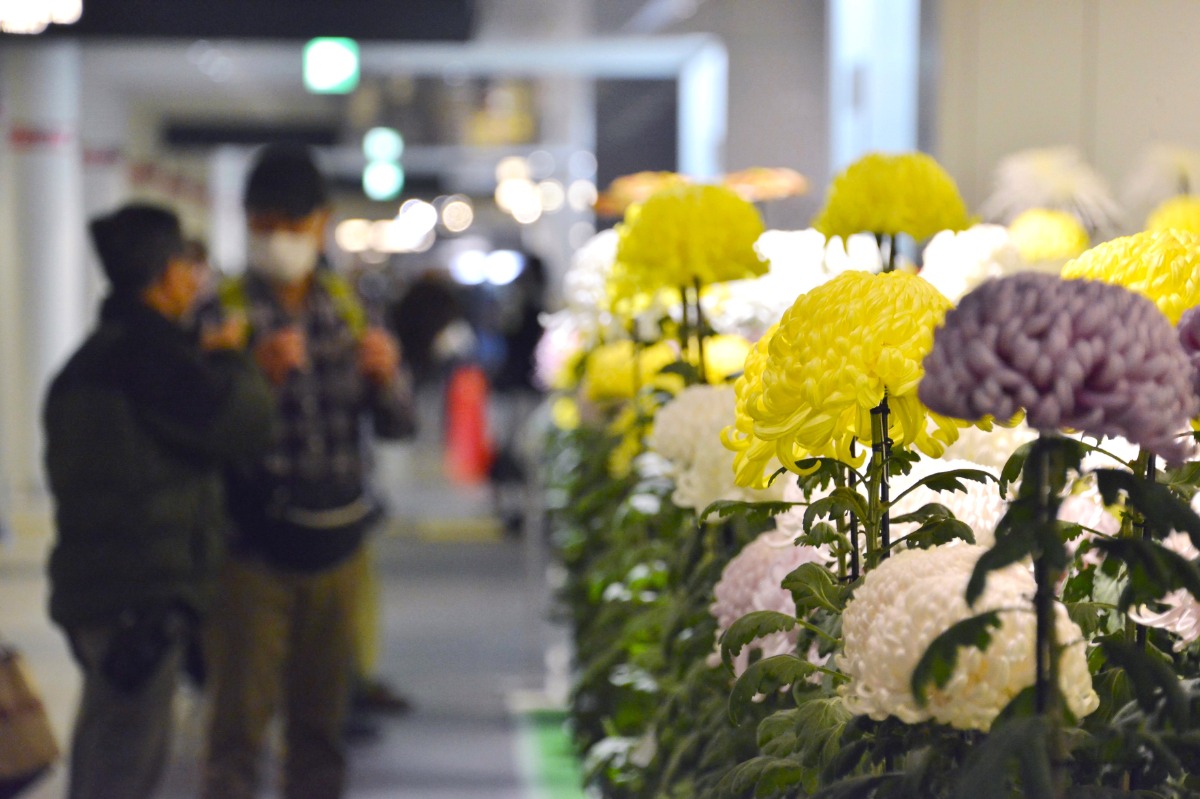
(138, 426)
(284, 634)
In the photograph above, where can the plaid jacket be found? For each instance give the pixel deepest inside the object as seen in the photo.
(315, 477)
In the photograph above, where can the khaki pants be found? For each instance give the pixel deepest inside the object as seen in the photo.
(281, 641)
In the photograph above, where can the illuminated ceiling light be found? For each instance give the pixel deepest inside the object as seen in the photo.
(383, 144)
(540, 164)
(514, 167)
(331, 65)
(553, 195)
(353, 235)
(582, 195)
(514, 192)
(34, 16)
(502, 267)
(527, 212)
(457, 215)
(417, 216)
(383, 180)
(469, 267)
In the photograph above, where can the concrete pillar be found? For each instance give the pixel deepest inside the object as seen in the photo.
(104, 131)
(44, 266)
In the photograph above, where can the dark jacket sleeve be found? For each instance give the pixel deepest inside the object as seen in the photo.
(393, 409)
(239, 419)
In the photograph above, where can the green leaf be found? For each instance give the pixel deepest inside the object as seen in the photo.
(751, 627)
(1014, 542)
(688, 371)
(1092, 617)
(1013, 467)
(857, 788)
(840, 500)
(825, 534)
(947, 481)
(1162, 510)
(755, 513)
(760, 776)
(986, 772)
(936, 531)
(1153, 570)
(1152, 679)
(820, 722)
(937, 664)
(813, 587)
(762, 677)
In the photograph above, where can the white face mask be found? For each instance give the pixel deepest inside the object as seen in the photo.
(282, 256)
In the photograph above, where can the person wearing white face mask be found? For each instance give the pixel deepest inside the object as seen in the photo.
(283, 636)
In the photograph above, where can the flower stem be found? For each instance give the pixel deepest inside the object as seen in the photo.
(1147, 464)
(685, 327)
(855, 567)
(701, 332)
(1046, 687)
(881, 448)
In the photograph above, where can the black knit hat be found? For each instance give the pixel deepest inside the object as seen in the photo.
(135, 243)
(285, 180)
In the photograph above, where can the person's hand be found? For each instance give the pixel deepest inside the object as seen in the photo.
(378, 356)
(280, 353)
(229, 335)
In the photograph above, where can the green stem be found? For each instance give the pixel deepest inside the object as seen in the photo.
(1047, 694)
(701, 333)
(855, 565)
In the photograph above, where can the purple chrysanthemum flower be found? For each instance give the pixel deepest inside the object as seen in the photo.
(1189, 338)
(1076, 354)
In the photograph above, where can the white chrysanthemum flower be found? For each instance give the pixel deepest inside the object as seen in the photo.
(1057, 178)
(753, 581)
(914, 596)
(561, 342)
(1163, 172)
(991, 449)
(955, 263)
(980, 507)
(800, 260)
(687, 432)
(584, 287)
(1182, 614)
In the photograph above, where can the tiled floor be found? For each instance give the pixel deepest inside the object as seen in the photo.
(465, 631)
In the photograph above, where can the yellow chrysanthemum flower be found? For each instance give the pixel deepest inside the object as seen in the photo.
(564, 412)
(724, 356)
(1163, 265)
(617, 370)
(908, 193)
(1042, 234)
(683, 234)
(834, 355)
(1177, 213)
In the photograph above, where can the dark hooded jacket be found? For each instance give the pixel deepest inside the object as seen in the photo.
(138, 427)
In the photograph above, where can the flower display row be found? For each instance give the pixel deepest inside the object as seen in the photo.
(842, 521)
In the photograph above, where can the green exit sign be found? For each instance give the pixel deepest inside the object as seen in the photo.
(331, 65)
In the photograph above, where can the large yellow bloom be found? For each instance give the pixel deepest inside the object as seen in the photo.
(810, 388)
(1163, 265)
(724, 356)
(908, 193)
(1043, 234)
(1178, 213)
(618, 370)
(683, 234)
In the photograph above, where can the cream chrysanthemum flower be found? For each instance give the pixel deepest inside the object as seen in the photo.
(914, 596)
(1163, 265)
(838, 350)
(752, 581)
(991, 449)
(1054, 177)
(617, 370)
(980, 507)
(684, 234)
(1046, 235)
(1177, 213)
(908, 193)
(955, 263)
(800, 261)
(687, 432)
